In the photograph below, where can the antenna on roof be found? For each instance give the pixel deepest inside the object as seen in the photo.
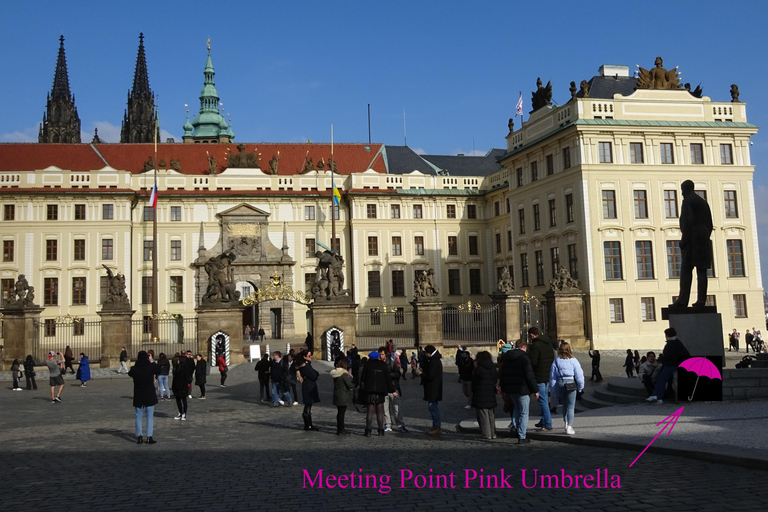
(369, 123)
(405, 133)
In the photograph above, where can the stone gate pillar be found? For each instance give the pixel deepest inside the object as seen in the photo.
(116, 333)
(509, 315)
(211, 319)
(20, 333)
(328, 314)
(429, 322)
(565, 315)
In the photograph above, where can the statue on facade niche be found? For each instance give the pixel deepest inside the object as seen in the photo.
(658, 77)
(221, 280)
(695, 246)
(563, 281)
(424, 285)
(505, 284)
(243, 160)
(734, 93)
(116, 291)
(584, 87)
(329, 277)
(542, 96)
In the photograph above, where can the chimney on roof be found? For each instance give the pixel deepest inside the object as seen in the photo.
(460, 154)
(614, 70)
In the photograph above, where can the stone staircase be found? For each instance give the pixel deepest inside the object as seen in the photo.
(618, 391)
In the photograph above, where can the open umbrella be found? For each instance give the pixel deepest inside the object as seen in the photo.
(702, 367)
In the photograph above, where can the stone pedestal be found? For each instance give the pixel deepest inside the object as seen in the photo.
(329, 314)
(700, 330)
(428, 317)
(115, 333)
(211, 320)
(565, 317)
(509, 315)
(19, 333)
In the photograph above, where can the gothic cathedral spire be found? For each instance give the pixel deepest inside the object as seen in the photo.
(139, 118)
(60, 122)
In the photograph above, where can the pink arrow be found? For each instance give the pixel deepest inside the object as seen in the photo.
(670, 422)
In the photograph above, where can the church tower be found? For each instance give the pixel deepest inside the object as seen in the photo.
(60, 122)
(139, 118)
(208, 126)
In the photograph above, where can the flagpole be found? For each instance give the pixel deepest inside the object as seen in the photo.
(333, 199)
(155, 284)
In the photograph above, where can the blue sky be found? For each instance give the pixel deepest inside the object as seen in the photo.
(286, 70)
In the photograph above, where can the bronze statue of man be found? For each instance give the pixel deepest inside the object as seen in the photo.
(696, 227)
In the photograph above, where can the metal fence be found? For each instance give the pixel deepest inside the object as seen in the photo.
(472, 324)
(533, 313)
(168, 335)
(56, 334)
(376, 326)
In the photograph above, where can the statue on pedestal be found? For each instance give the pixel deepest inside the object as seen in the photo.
(116, 293)
(424, 285)
(542, 96)
(696, 228)
(24, 295)
(563, 281)
(658, 77)
(505, 284)
(221, 280)
(329, 280)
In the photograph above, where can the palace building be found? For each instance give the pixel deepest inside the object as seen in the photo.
(592, 185)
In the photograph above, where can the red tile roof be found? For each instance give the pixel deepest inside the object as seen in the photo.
(193, 158)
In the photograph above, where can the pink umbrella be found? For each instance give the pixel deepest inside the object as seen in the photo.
(702, 367)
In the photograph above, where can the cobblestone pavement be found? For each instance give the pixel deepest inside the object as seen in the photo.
(236, 454)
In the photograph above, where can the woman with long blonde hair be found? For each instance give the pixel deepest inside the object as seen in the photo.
(566, 378)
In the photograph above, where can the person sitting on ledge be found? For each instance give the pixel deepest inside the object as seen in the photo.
(674, 353)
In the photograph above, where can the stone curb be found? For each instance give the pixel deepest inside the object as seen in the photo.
(688, 450)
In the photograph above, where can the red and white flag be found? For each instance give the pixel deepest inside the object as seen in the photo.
(519, 106)
(153, 197)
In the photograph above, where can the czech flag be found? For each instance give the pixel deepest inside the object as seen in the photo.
(336, 196)
(519, 106)
(153, 197)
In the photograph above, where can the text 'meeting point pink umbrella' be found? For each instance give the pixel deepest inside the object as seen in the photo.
(702, 367)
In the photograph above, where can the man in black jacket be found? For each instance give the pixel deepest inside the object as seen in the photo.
(279, 376)
(674, 353)
(144, 397)
(432, 380)
(541, 352)
(519, 382)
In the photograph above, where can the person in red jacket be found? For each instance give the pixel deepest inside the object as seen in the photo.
(222, 364)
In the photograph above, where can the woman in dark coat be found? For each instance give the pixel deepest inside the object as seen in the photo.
(200, 375)
(403, 363)
(309, 393)
(375, 382)
(342, 385)
(181, 375)
(484, 394)
(29, 372)
(69, 356)
(143, 374)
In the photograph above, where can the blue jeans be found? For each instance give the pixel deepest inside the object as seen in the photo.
(667, 372)
(522, 404)
(434, 410)
(150, 413)
(569, 402)
(162, 384)
(276, 395)
(546, 416)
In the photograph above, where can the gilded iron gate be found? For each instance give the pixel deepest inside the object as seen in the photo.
(472, 323)
(56, 334)
(533, 313)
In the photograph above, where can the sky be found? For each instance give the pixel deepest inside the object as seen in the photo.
(442, 76)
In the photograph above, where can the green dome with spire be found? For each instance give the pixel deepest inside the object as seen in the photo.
(208, 125)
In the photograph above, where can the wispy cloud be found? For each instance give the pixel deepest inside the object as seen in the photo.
(419, 151)
(27, 135)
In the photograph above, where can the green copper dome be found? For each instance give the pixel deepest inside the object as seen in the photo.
(208, 124)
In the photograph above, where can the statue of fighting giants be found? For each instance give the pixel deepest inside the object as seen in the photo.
(329, 280)
(116, 292)
(24, 295)
(221, 279)
(424, 285)
(696, 249)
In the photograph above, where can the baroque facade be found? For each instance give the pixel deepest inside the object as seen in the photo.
(592, 185)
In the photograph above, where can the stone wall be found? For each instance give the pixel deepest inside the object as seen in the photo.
(743, 384)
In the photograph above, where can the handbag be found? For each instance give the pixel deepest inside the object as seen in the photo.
(568, 385)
